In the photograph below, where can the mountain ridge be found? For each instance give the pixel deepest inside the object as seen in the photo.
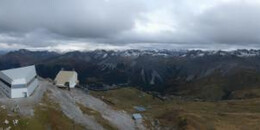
(210, 75)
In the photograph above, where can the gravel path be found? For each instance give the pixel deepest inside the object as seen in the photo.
(122, 120)
(70, 108)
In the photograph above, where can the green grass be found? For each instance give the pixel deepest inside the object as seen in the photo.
(127, 98)
(246, 93)
(240, 84)
(221, 115)
(5, 115)
(227, 115)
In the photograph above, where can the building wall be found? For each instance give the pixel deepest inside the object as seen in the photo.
(32, 86)
(4, 88)
(18, 92)
(18, 88)
(4, 77)
(73, 80)
(72, 84)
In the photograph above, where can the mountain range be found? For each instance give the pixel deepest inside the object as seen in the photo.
(195, 74)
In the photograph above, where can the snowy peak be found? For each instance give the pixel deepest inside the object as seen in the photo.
(177, 53)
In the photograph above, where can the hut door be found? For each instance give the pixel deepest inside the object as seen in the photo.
(67, 84)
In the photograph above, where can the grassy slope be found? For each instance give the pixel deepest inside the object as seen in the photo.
(235, 114)
(47, 116)
(241, 84)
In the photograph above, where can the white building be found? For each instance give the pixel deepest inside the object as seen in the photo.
(66, 79)
(19, 82)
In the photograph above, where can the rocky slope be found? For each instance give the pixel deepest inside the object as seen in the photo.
(67, 104)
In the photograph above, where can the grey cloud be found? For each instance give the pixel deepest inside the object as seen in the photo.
(41, 23)
(75, 19)
(229, 23)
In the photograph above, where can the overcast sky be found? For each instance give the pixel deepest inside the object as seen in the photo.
(129, 24)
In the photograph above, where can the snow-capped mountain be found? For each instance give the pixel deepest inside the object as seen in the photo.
(187, 73)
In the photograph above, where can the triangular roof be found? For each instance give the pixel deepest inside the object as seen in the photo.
(64, 76)
(20, 75)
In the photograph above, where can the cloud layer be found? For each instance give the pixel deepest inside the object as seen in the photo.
(109, 24)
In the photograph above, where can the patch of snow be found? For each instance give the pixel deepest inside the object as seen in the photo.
(6, 122)
(143, 75)
(15, 122)
(8, 128)
(104, 56)
(155, 75)
(3, 106)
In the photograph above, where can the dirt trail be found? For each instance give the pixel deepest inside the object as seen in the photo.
(120, 119)
(70, 108)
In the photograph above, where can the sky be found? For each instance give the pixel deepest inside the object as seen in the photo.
(67, 25)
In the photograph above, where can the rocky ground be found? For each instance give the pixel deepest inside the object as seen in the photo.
(68, 102)
(25, 106)
(118, 118)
